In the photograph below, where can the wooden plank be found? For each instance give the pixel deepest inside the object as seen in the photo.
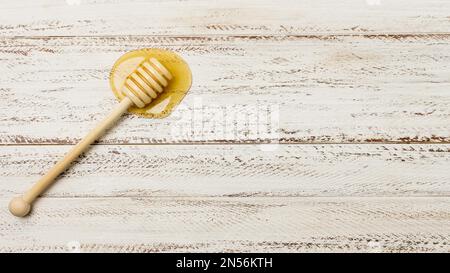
(250, 17)
(327, 89)
(230, 224)
(291, 72)
(234, 170)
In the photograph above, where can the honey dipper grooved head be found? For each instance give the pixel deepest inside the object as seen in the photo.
(19, 207)
(146, 82)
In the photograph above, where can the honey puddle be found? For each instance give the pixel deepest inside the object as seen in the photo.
(172, 95)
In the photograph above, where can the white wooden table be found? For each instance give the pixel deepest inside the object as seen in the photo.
(356, 95)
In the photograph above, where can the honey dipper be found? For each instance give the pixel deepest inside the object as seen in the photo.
(139, 89)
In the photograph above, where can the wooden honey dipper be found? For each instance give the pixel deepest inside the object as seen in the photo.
(140, 88)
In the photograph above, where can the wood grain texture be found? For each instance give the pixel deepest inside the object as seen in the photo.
(328, 89)
(161, 17)
(354, 94)
(231, 224)
(234, 170)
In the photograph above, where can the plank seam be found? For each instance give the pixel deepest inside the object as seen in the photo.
(226, 143)
(397, 35)
(203, 197)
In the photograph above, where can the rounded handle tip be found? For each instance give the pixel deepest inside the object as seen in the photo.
(19, 207)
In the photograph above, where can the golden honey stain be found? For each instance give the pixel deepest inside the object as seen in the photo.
(172, 95)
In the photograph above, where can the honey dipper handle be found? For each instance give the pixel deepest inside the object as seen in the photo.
(20, 206)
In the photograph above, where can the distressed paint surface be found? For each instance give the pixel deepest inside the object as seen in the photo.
(323, 89)
(264, 224)
(234, 170)
(361, 90)
(233, 17)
